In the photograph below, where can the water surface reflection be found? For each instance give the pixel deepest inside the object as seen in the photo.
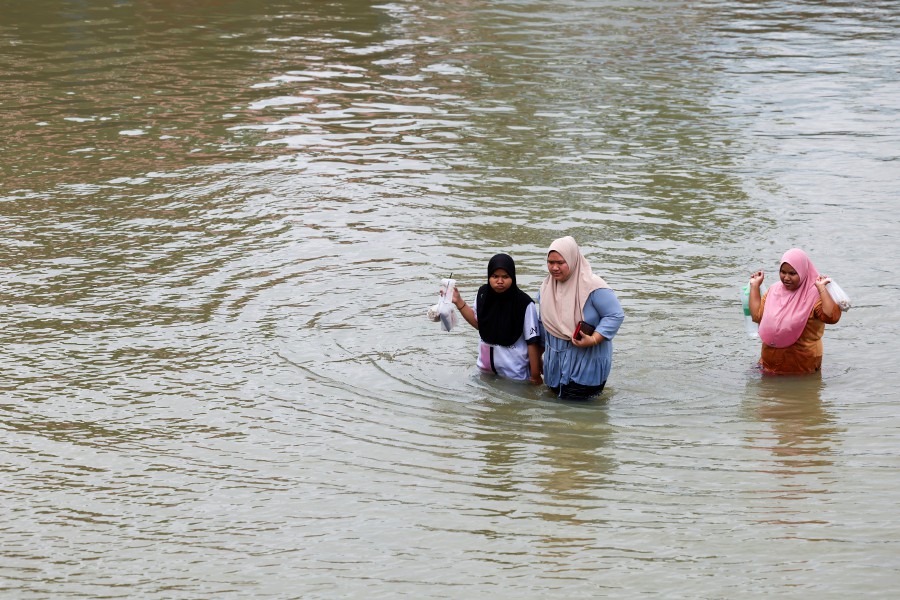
(803, 439)
(803, 430)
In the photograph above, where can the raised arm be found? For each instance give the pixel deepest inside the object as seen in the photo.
(464, 309)
(755, 282)
(828, 304)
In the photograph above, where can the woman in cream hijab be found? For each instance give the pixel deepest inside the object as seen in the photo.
(576, 367)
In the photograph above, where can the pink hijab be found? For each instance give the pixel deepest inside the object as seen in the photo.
(562, 302)
(786, 312)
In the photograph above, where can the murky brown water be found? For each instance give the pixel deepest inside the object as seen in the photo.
(223, 222)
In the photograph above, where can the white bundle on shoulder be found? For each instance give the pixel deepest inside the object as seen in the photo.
(839, 296)
(443, 310)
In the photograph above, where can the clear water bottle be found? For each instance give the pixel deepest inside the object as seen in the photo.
(752, 328)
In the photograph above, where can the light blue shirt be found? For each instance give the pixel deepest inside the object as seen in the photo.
(565, 363)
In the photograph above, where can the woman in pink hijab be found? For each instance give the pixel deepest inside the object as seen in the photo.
(792, 315)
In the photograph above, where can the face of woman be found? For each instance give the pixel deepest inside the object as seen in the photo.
(789, 277)
(500, 281)
(557, 265)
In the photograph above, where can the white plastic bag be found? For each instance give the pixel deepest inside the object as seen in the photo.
(839, 296)
(443, 310)
(433, 314)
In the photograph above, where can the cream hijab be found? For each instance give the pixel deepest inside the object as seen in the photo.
(562, 302)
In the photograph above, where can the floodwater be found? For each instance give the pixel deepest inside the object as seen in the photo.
(223, 223)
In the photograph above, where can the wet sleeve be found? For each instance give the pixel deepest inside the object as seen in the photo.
(607, 305)
(531, 328)
(762, 305)
(821, 315)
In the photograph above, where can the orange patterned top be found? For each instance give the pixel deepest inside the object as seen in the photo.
(804, 355)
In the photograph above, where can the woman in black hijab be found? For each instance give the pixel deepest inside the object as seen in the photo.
(507, 321)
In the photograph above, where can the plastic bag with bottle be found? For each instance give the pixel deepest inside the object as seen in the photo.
(839, 296)
(751, 327)
(443, 310)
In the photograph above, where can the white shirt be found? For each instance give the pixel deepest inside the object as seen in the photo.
(510, 362)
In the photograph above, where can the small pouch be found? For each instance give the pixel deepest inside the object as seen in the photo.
(583, 328)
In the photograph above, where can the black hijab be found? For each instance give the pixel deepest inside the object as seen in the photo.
(501, 316)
